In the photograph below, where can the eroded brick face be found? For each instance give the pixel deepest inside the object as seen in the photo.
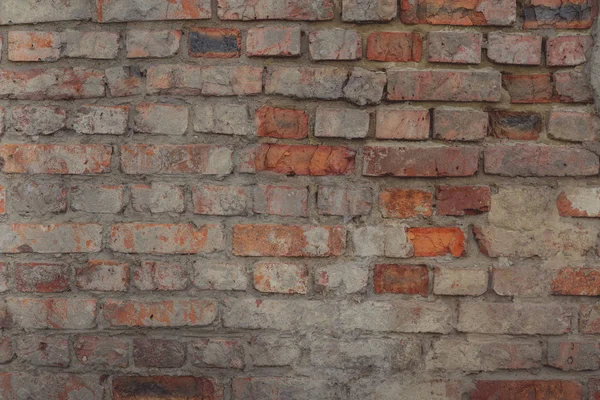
(299, 200)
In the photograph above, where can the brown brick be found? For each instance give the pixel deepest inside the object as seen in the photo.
(401, 279)
(335, 44)
(165, 388)
(462, 200)
(515, 48)
(460, 124)
(576, 282)
(443, 85)
(569, 14)
(270, 240)
(532, 88)
(515, 125)
(281, 123)
(536, 160)
(103, 275)
(394, 46)
(568, 50)
(42, 277)
(448, 12)
(573, 125)
(573, 86)
(158, 353)
(423, 161)
(550, 389)
(103, 352)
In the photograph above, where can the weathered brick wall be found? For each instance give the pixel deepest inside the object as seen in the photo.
(299, 200)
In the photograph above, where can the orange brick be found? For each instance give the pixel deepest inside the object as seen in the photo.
(434, 242)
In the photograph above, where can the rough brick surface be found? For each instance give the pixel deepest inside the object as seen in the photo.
(299, 200)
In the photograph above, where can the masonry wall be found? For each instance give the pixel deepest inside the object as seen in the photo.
(299, 200)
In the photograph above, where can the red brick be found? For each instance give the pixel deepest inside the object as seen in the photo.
(220, 200)
(51, 385)
(273, 42)
(158, 353)
(568, 50)
(204, 159)
(54, 238)
(533, 88)
(460, 124)
(6, 350)
(152, 10)
(143, 43)
(276, 277)
(594, 389)
(394, 46)
(195, 80)
(71, 159)
(573, 355)
(161, 119)
(402, 124)
(33, 46)
(422, 161)
(443, 85)
(437, 242)
(214, 43)
(51, 84)
(462, 200)
(165, 388)
(281, 123)
(299, 10)
(515, 48)
(567, 14)
(288, 240)
(42, 277)
(576, 282)
(155, 275)
(103, 275)
(305, 160)
(335, 44)
(37, 313)
(281, 200)
(573, 125)
(454, 47)
(448, 12)
(103, 352)
(405, 203)
(573, 86)
(165, 238)
(401, 279)
(534, 390)
(537, 160)
(579, 202)
(165, 313)
(344, 201)
(51, 351)
(515, 125)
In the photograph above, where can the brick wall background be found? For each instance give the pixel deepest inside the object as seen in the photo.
(299, 200)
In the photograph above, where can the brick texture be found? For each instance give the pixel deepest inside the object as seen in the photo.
(299, 200)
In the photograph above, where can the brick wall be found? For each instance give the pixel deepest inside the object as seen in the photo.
(299, 200)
